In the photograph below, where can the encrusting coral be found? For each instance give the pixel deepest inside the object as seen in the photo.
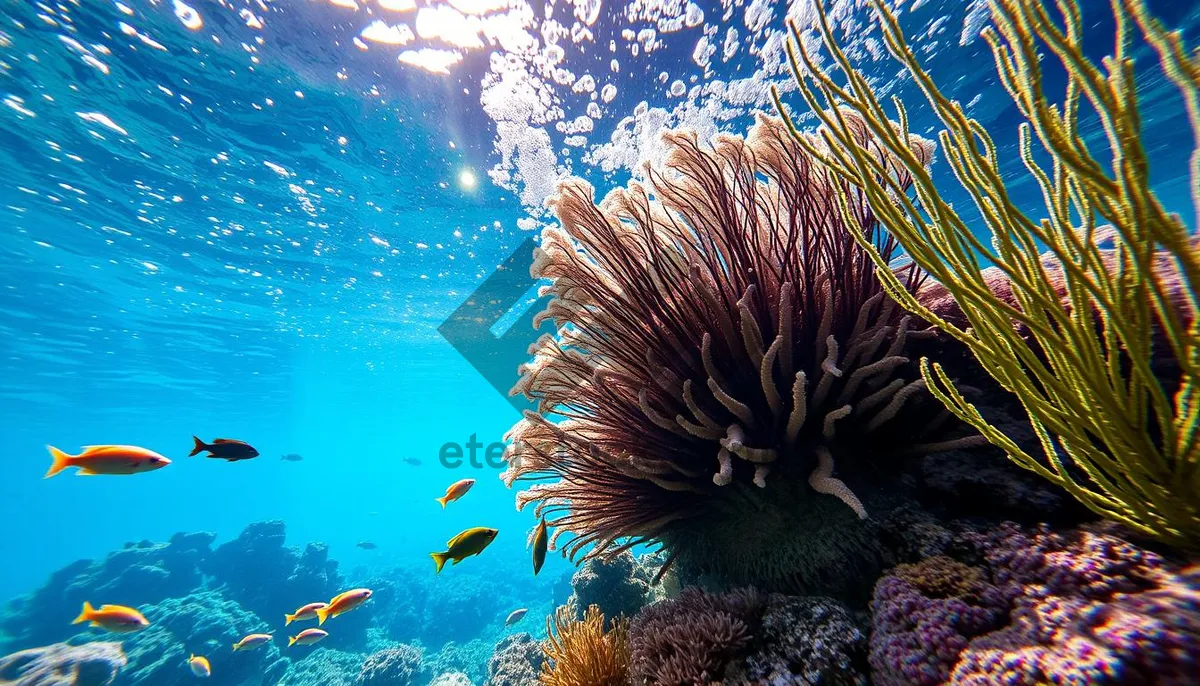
(723, 344)
(1083, 606)
(1077, 334)
(579, 652)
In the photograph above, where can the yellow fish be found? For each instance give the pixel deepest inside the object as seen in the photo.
(252, 641)
(107, 459)
(468, 543)
(307, 637)
(457, 490)
(115, 618)
(539, 546)
(343, 603)
(307, 612)
(200, 666)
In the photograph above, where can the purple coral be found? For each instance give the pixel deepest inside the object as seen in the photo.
(1082, 607)
(924, 615)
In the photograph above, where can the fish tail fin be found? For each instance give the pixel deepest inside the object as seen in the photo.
(292, 640)
(322, 615)
(60, 462)
(86, 615)
(235, 647)
(289, 618)
(439, 559)
(200, 447)
(442, 500)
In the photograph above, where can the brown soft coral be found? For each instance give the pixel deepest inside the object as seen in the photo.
(691, 639)
(722, 340)
(582, 653)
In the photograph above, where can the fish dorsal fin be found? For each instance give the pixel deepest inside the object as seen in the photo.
(225, 440)
(451, 543)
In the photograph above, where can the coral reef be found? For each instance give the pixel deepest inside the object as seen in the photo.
(210, 598)
(612, 585)
(722, 340)
(204, 623)
(805, 640)
(92, 664)
(470, 658)
(457, 607)
(744, 636)
(920, 629)
(1086, 606)
(451, 679)
(691, 639)
(1096, 336)
(140, 574)
(284, 577)
(324, 666)
(396, 666)
(581, 651)
(517, 661)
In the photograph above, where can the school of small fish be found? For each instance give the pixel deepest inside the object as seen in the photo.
(129, 459)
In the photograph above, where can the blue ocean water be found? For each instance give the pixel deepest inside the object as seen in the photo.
(249, 219)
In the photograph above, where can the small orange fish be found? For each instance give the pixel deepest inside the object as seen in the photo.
(307, 612)
(107, 459)
(343, 603)
(307, 637)
(457, 490)
(200, 666)
(116, 618)
(252, 641)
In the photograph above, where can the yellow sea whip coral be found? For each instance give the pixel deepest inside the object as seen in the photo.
(579, 652)
(1079, 334)
(718, 326)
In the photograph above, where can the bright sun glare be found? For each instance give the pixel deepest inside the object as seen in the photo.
(466, 179)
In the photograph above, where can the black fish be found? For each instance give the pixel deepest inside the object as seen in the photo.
(224, 449)
(367, 545)
(291, 457)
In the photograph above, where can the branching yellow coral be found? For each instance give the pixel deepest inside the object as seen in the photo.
(582, 653)
(1089, 319)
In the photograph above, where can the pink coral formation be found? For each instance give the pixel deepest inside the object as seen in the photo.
(1085, 607)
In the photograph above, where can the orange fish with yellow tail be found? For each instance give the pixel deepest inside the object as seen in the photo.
(107, 459)
(343, 603)
(116, 618)
(456, 490)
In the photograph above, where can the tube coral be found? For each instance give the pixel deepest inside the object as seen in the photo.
(1081, 337)
(723, 345)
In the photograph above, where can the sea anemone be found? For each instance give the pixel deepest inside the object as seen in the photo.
(721, 341)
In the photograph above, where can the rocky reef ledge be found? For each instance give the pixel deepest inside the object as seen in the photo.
(975, 603)
(201, 599)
